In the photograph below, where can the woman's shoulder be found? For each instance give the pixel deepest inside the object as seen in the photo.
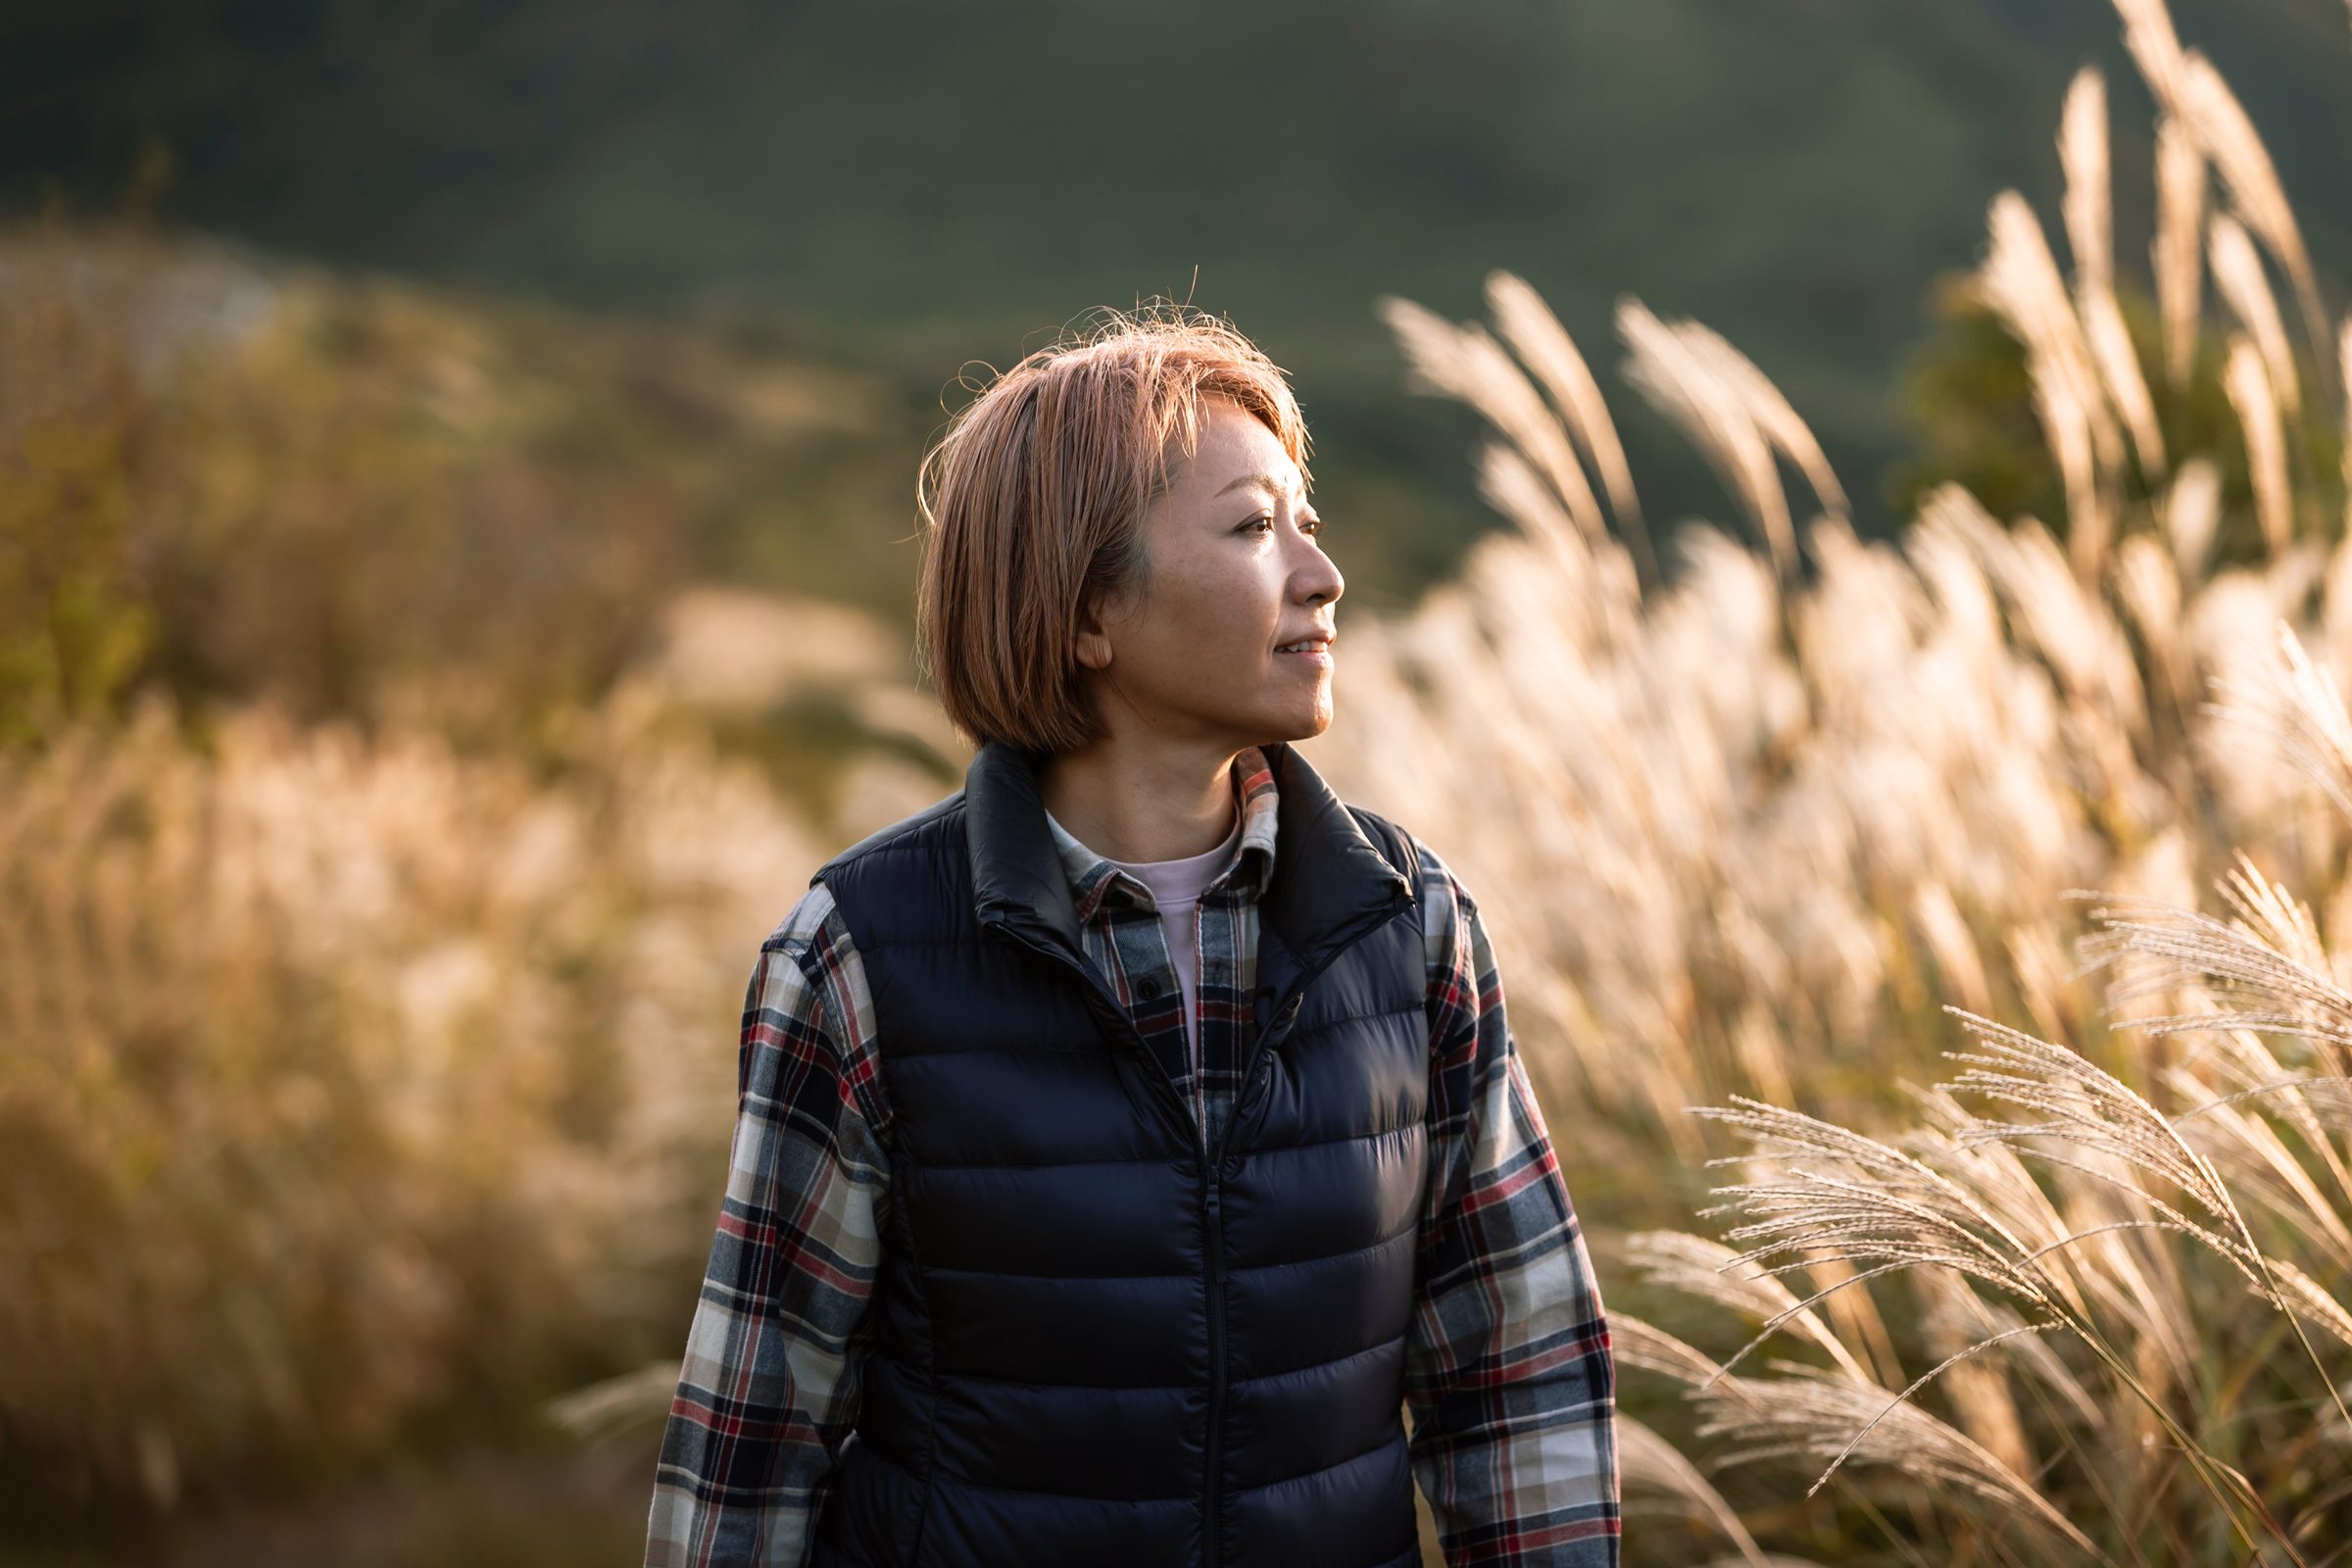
(811, 990)
(804, 924)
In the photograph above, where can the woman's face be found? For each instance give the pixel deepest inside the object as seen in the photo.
(1235, 570)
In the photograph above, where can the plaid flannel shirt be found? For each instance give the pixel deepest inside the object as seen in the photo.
(1509, 1376)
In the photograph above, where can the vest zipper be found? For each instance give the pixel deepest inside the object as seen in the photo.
(1212, 1528)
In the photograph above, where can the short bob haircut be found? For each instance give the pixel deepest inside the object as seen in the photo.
(1032, 502)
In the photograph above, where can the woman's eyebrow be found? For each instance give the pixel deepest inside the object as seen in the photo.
(1266, 480)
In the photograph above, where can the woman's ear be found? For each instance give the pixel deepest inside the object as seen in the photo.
(1092, 642)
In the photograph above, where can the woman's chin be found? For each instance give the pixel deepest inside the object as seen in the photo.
(1297, 726)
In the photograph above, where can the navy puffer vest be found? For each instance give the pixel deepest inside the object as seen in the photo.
(1091, 1345)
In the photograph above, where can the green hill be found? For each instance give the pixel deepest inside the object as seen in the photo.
(899, 189)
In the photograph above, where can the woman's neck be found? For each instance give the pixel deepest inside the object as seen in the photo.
(1141, 808)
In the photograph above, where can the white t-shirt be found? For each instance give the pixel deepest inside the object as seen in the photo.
(1176, 887)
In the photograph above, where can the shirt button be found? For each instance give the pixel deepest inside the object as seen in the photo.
(1149, 988)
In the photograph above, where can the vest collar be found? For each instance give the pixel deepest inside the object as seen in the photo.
(1329, 877)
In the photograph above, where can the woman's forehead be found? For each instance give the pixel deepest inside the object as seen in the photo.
(1235, 449)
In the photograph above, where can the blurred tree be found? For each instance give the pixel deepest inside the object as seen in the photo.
(1968, 405)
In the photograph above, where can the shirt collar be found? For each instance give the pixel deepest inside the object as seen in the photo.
(1095, 880)
(1335, 879)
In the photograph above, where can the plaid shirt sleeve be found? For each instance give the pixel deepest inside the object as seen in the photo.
(769, 1387)
(1509, 1376)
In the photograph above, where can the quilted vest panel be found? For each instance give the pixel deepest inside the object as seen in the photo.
(1091, 1346)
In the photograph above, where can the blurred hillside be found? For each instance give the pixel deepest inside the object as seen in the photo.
(895, 190)
(236, 480)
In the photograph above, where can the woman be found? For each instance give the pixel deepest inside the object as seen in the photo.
(1128, 1140)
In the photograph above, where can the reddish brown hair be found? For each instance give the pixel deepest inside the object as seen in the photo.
(1032, 500)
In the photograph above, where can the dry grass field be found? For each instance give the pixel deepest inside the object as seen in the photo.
(1934, 953)
(1774, 842)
